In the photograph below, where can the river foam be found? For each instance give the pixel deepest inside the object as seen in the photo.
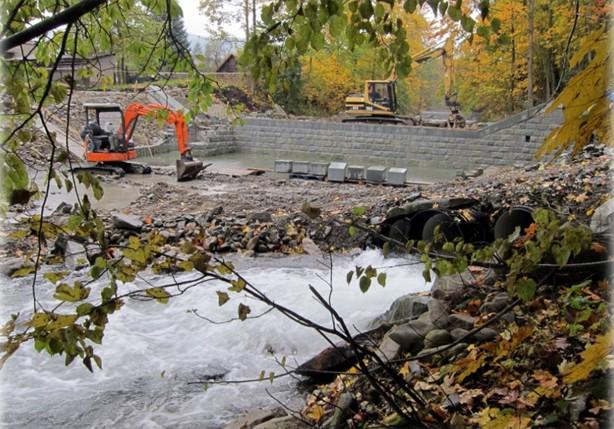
(151, 351)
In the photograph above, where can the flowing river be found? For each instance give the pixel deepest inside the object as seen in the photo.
(151, 351)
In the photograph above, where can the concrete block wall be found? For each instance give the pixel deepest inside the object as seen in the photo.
(209, 142)
(511, 141)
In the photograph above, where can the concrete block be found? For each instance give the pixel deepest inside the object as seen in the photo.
(337, 171)
(356, 172)
(318, 168)
(300, 167)
(376, 173)
(283, 166)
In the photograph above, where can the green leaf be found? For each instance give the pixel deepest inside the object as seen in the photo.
(84, 309)
(55, 276)
(381, 279)
(271, 377)
(454, 13)
(243, 310)
(358, 211)
(222, 298)
(467, 23)
(158, 294)
(365, 283)
(348, 276)
(525, 288)
(483, 31)
(495, 24)
(410, 6)
(561, 254)
(380, 11)
(261, 375)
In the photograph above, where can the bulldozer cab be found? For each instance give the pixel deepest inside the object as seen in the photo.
(382, 94)
(104, 127)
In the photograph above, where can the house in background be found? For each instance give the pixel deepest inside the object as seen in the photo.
(229, 65)
(100, 66)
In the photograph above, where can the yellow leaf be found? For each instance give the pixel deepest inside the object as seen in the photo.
(315, 413)
(592, 357)
(62, 321)
(404, 370)
(495, 418)
(39, 320)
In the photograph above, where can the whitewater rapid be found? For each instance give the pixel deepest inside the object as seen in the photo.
(151, 351)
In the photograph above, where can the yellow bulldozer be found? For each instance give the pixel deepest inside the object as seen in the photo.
(378, 101)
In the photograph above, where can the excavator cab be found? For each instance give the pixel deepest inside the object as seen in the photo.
(107, 139)
(377, 103)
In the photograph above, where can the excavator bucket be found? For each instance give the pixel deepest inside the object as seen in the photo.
(188, 170)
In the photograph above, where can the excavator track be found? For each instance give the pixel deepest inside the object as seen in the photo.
(118, 168)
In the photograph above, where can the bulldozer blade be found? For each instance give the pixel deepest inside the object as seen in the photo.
(188, 170)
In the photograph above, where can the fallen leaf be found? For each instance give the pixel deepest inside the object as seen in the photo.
(591, 359)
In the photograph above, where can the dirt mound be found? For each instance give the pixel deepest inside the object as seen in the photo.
(234, 95)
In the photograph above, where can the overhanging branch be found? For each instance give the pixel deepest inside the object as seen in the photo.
(67, 16)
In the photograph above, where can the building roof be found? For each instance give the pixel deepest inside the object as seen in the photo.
(227, 60)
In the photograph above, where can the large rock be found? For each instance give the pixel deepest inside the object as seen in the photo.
(485, 335)
(337, 358)
(436, 338)
(126, 221)
(437, 314)
(461, 320)
(495, 303)
(457, 333)
(602, 220)
(287, 422)
(254, 417)
(388, 349)
(406, 307)
(407, 337)
(310, 248)
(448, 287)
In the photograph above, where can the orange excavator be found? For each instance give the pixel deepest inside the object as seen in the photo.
(111, 147)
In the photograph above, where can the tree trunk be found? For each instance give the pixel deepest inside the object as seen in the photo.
(246, 11)
(253, 16)
(531, 10)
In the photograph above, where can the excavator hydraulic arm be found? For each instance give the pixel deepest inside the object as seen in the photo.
(187, 167)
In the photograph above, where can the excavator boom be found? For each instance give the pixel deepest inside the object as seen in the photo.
(113, 149)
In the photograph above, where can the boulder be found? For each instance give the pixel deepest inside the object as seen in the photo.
(461, 320)
(126, 221)
(406, 337)
(406, 307)
(388, 349)
(437, 314)
(310, 248)
(448, 287)
(485, 335)
(337, 358)
(457, 333)
(287, 422)
(254, 417)
(437, 337)
(602, 220)
(495, 303)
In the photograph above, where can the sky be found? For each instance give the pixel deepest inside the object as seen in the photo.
(195, 22)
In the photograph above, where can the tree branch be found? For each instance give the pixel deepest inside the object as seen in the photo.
(67, 16)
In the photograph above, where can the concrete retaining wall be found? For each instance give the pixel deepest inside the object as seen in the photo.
(511, 141)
